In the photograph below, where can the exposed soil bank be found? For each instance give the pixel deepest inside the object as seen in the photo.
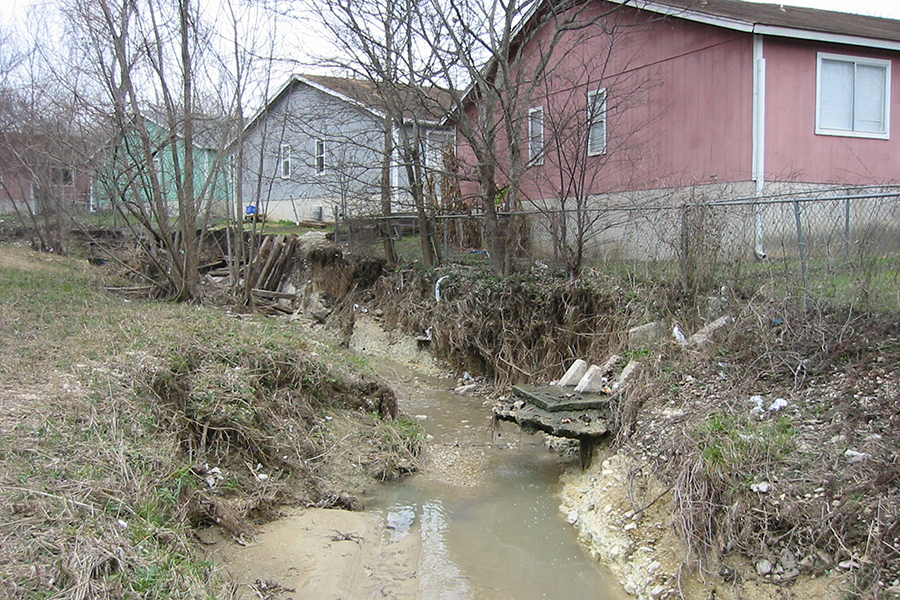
(776, 434)
(642, 549)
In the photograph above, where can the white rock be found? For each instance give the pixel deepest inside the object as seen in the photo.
(763, 567)
(778, 405)
(762, 487)
(854, 457)
(848, 565)
(658, 591)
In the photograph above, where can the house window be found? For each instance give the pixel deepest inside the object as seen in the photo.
(284, 160)
(320, 156)
(536, 135)
(853, 96)
(62, 176)
(596, 119)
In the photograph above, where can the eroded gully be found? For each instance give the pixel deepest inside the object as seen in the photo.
(480, 521)
(485, 506)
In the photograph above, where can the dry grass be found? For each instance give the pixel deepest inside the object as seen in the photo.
(817, 480)
(125, 424)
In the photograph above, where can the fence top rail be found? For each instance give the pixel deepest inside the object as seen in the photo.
(738, 202)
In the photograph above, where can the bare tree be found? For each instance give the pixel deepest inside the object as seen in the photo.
(480, 59)
(145, 58)
(573, 156)
(40, 145)
(378, 41)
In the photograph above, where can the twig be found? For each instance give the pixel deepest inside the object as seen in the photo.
(54, 496)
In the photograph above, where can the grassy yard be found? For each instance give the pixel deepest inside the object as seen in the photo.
(125, 425)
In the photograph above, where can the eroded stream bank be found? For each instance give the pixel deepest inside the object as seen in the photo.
(481, 520)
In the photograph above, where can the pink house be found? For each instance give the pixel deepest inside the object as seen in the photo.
(710, 98)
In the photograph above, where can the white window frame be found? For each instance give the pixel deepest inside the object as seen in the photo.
(595, 119)
(285, 165)
(319, 165)
(536, 135)
(885, 134)
(436, 144)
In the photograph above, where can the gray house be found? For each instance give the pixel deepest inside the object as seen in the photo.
(316, 150)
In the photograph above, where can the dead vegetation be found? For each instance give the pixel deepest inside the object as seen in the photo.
(525, 328)
(125, 426)
(780, 445)
(777, 442)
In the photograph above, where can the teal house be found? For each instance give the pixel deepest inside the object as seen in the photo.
(143, 171)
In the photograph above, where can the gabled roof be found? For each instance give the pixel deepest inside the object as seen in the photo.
(428, 105)
(781, 20)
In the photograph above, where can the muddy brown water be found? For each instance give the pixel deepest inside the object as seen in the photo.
(486, 505)
(480, 521)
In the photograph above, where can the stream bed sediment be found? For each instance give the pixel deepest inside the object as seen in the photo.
(481, 520)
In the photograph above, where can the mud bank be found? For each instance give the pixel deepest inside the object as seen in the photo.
(328, 554)
(622, 514)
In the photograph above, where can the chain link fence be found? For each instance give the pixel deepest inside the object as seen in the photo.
(834, 247)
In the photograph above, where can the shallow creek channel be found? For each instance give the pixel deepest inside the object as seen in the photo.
(486, 506)
(480, 521)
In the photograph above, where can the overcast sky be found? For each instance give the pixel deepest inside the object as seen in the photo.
(879, 8)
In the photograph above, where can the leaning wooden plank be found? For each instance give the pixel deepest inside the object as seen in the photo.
(262, 254)
(274, 250)
(270, 266)
(272, 294)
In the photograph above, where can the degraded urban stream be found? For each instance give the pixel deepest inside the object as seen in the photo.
(486, 505)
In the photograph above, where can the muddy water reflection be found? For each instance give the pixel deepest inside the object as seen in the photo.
(486, 508)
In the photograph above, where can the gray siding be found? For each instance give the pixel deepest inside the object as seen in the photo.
(353, 144)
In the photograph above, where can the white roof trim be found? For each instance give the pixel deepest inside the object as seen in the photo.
(325, 90)
(689, 15)
(820, 36)
(751, 27)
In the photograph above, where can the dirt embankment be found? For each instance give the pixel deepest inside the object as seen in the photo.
(127, 428)
(761, 463)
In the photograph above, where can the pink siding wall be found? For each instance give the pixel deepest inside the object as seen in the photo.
(681, 109)
(680, 103)
(702, 130)
(793, 150)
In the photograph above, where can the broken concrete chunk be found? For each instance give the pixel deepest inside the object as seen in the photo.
(574, 374)
(627, 372)
(644, 334)
(592, 381)
(706, 333)
(610, 363)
